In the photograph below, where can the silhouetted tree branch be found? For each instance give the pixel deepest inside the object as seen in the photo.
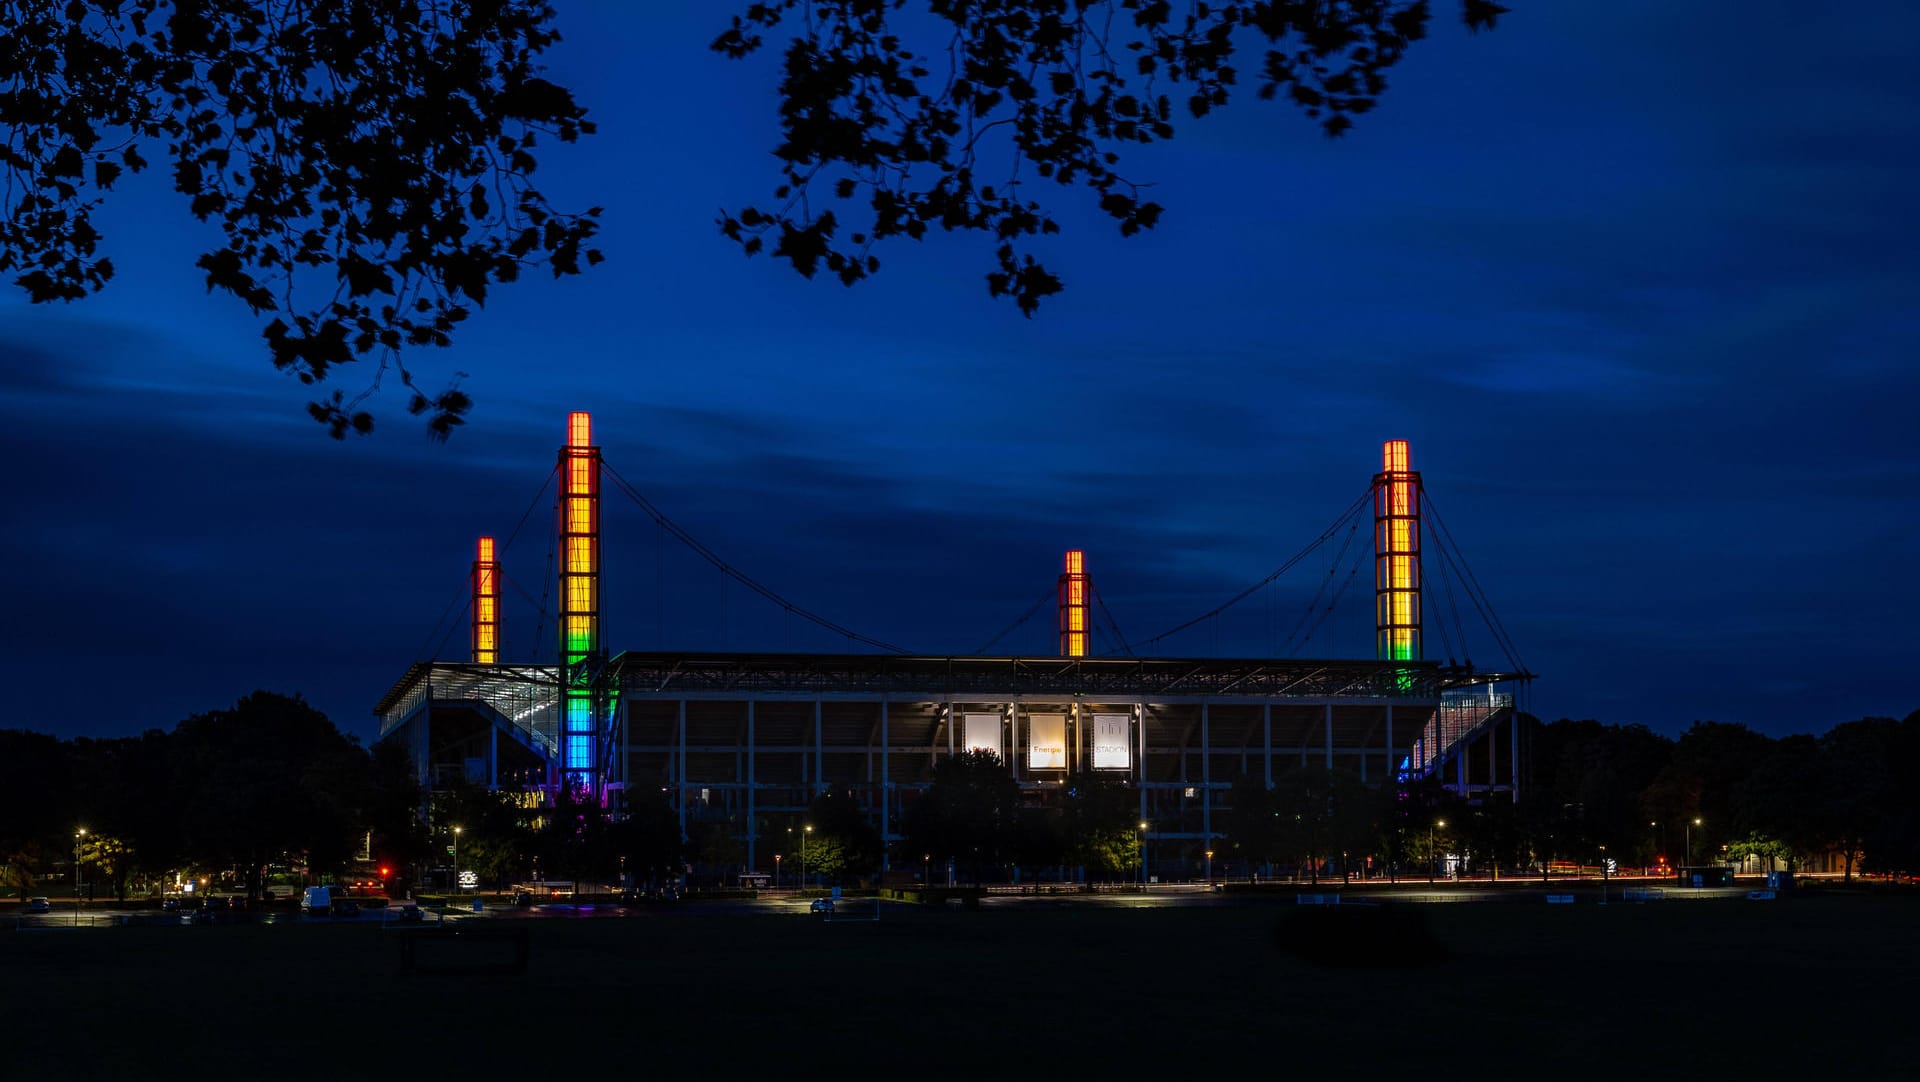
(369, 165)
(952, 118)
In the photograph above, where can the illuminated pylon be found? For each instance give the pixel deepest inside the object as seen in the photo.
(1396, 555)
(1073, 606)
(486, 605)
(579, 604)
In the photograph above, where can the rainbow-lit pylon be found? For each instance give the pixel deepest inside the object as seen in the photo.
(1073, 605)
(1396, 555)
(582, 702)
(486, 605)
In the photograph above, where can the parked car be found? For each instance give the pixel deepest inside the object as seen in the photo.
(39, 905)
(821, 905)
(345, 907)
(170, 905)
(409, 912)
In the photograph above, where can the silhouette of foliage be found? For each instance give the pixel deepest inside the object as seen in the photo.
(1100, 825)
(970, 813)
(843, 842)
(369, 165)
(1007, 95)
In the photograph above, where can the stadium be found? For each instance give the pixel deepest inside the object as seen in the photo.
(730, 739)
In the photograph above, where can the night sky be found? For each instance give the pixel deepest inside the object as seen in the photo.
(1637, 279)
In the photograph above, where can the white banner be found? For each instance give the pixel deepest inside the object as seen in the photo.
(982, 733)
(1111, 748)
(1046, 741)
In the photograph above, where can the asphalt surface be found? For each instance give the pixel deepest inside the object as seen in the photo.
(790, 903)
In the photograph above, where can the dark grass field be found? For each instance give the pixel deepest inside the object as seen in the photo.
(1679, 988)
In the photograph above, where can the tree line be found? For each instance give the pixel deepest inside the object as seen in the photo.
(267, 781)
(271, 782)
(1719, 793)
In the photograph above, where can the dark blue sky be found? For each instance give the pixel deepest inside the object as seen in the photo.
(1637, 280)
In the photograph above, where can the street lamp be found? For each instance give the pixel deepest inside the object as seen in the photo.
(1433, 857)
(776, 870)
(77, 835)
(1209, 869)
(804, 831)
(1690, 826)
(926, 869)
(1143, 854)
(456, 860)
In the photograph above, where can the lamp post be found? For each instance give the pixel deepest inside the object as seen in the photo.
(78, 834)
(456, 860)
(1433, 857)
(926, 869)
(776, 870)
(1209, 869)
(1690, 826)
(1143, 854)
(804, 831)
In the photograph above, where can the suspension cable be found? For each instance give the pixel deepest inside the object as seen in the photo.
(1294, 641)
(1446, 584)
(451, 628)
(1352, 509)
(1010, 628)
(1474, 591)
(528, 596)
(1112, 624)
(1453, 606)
(528, 513)
(733, 573)
(435, 629)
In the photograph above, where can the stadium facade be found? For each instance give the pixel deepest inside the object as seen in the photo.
(734, 738)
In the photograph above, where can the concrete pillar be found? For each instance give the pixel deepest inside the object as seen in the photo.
(1513, 759)
(753, 823)
(1266, 723)
(1393, 770)
(886, 786)
(682, 770)
(1140, 757)
(1079, 742)
(1493, 758)
(1013, 739)
(1329, 709)
(1206, 774)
